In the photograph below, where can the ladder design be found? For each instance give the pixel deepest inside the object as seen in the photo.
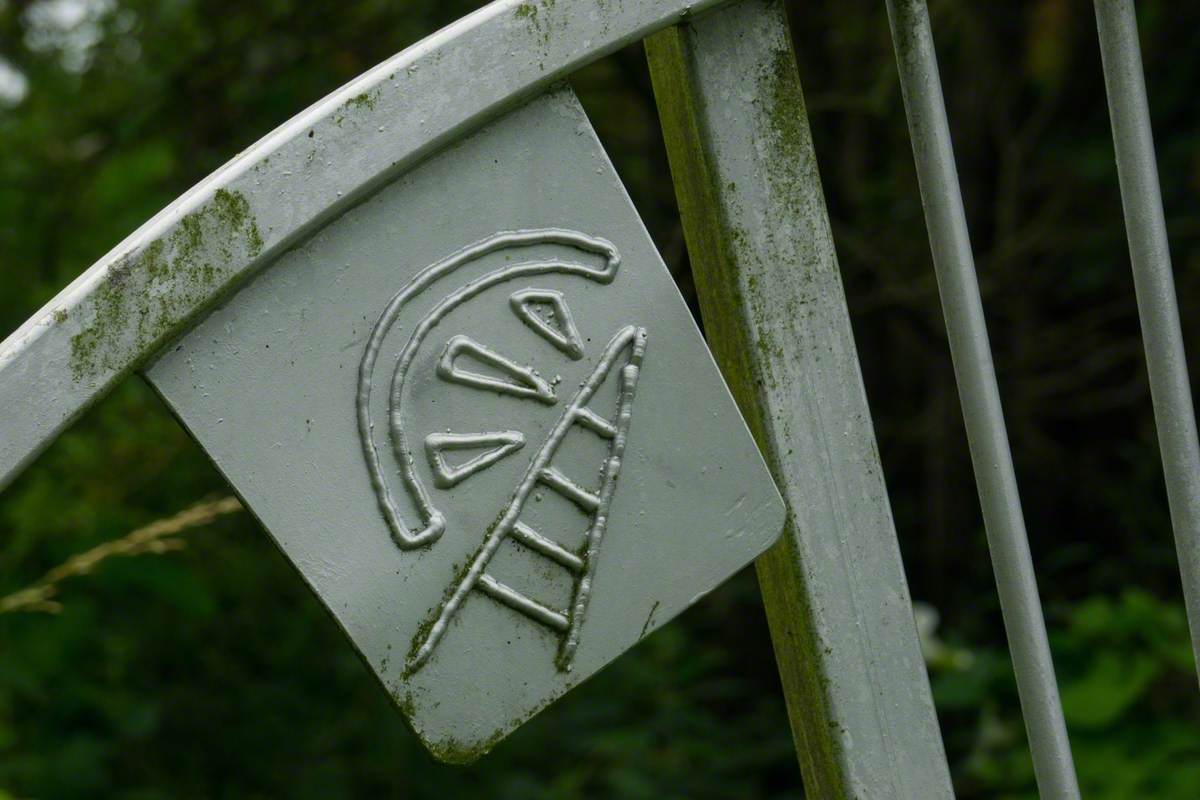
(629, 342)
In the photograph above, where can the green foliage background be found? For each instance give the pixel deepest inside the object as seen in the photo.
(212, 673)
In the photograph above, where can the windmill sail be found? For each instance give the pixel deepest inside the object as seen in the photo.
(627, 348)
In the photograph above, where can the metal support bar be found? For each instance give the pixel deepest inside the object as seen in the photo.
(1150, 255)
(771, 296)
(980, 397)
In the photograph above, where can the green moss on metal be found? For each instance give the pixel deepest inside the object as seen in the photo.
(539, 22)
(146, 295)
(731, 299)
(233, 212)
(363, 100)
(786, 118)
(452, 750)
(794, 185)
(455, 751)
(367, 100)
(422, 632)
(460, 574)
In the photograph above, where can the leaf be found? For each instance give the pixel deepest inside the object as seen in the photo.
(1113, 682)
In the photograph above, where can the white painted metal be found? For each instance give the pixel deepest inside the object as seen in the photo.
(837, 598)
(525, 511)
(283, 188)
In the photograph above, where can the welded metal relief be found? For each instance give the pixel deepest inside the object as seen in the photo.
(466, 362)
(555, 324)
(505, 376)
(441, 404)
(621, 361)
(500, 444)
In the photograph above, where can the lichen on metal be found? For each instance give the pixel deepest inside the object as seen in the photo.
(771, 296)
(453, 426)
(147, 296)
(170, 271)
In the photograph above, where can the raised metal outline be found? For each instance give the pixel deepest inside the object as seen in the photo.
(433, 522)
(527, 383)
(502, 443)
(389, 118)
(566, 340)
(630, 338)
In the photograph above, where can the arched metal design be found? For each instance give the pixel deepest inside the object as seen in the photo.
(433, 523)
(149, 288)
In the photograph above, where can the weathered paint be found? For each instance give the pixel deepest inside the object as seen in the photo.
(139, 306)
(653, 503)
(774, 310)
(339, 151)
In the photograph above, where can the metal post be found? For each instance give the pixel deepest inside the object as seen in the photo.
(980, 396)
(771, 295)
(1155, 286)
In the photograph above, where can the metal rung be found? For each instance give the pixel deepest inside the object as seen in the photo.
(630, 343)
(570, 490)
(547, 547)
(595, 423)
(519, 602)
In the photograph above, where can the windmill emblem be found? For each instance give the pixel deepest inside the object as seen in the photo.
(466, 362)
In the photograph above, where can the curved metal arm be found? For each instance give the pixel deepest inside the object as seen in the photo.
(151, 286)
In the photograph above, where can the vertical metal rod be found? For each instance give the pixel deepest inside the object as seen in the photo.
(929, 130)
(1174, 414)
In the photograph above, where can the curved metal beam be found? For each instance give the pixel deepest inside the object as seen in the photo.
(123, 309)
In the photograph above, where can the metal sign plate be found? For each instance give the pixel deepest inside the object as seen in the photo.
(476, 414)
